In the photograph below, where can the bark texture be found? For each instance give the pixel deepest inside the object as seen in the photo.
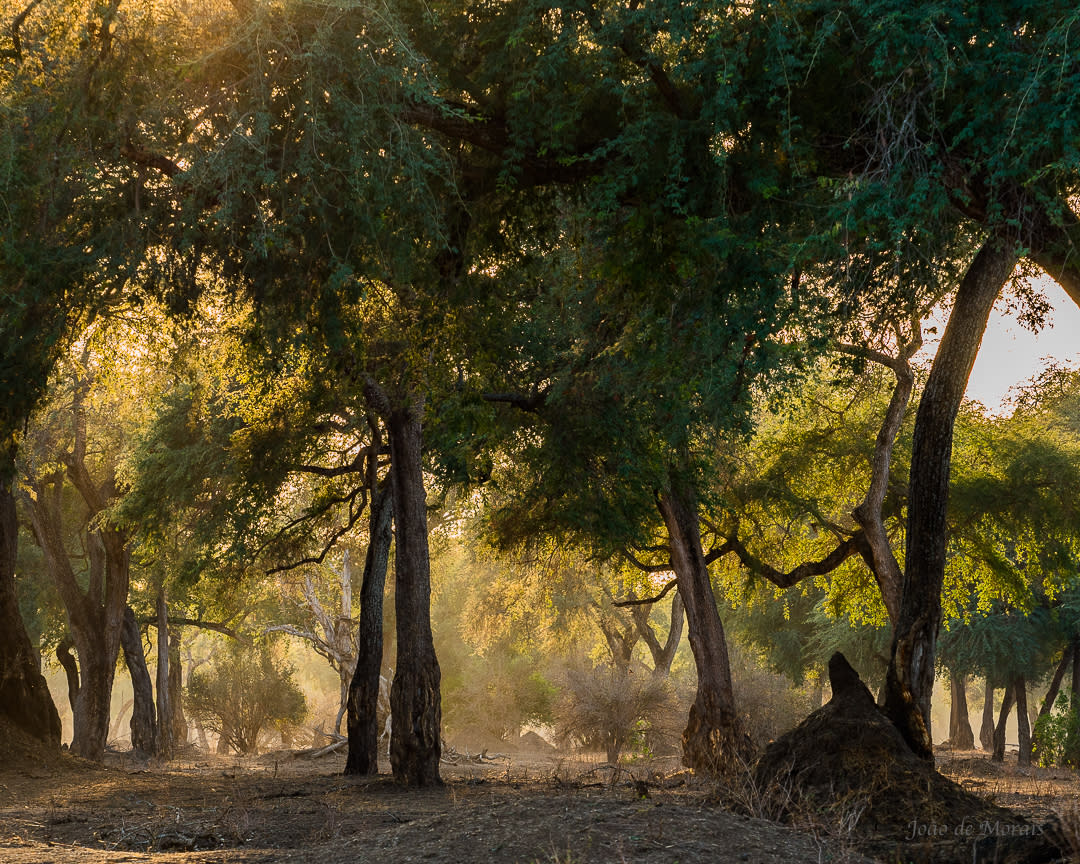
(910, 678)
(1023, 725)
(143, 719)
(164, 710)
(363, 704)
(960, 735)
(713, 741)
(1003, 718)
(415, 702)
(986, 729)
(24, 696)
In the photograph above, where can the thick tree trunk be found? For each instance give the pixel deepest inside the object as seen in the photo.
(986, 729)
(24, 695)
(143, 722)
(960, 735)
(415, 703)
(164, 711)
(1023, 727)
(713, 741)
(1003, 718)
(363, 714)
(909, 682)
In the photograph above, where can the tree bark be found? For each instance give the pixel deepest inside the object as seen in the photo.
(71, 668)
(662, 655)
(363, 713)
(177, 721)
(1023, 726)
(24, 695)
(986, 729)
(415, 703)
(713, 741)
(909, 681)
(164, 711)
(143, 721)
(960, 735)
(1003, 718)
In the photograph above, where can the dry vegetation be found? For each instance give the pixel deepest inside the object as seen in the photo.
(526, 807)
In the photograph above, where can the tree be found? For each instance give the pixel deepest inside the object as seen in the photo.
(243, 693)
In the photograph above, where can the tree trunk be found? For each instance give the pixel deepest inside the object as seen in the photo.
(363, 714)
(71, 668)
(1023, 728)
(713, 741)
(415, 704)
(986, 730)
(143, 723)
(1003, 718)
(960, 735)
(177, 721)
(1052, 694)
(662, 655)
(164, 711)
(909, 682)
(24, 695)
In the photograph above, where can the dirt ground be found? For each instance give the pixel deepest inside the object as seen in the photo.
(527, 807)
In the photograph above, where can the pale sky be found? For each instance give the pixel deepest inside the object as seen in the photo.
(1010, 354)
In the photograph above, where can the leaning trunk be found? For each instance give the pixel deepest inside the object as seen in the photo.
(909, 682)
(416, 712)
(143, 723)
(1052, 694)
(363, 718)
(960, 735)
(24, 696)
(713, 741)
(71, 668)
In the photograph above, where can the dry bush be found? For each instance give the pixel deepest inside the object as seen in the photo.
(768, 703)
(605, 708)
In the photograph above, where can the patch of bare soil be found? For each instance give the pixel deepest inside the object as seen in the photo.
(528, 807)
(275, 808)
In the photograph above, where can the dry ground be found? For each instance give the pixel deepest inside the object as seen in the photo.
(528, 808)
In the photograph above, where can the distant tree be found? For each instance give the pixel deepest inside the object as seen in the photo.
(244, 692)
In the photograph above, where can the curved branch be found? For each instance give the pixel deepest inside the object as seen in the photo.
(646, 600)
(853, 545)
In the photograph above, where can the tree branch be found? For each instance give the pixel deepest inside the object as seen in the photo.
(646, 600)
(15, 52)
(202, 625)
(851, 546)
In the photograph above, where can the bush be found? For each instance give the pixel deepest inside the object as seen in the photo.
(609, 709)
(243, 693)
(489, 699)
(1057, 734)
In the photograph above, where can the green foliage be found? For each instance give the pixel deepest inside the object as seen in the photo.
(1058, 734)
(243, 692)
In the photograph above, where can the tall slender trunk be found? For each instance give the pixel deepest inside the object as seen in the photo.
(143, 721)
(177, 721)
(415, 703)
(713, 741)
(164, 712)
(1023, 725)
(986, 728)
(909, 681)
(1003, 718)
(24, 696)
(960, 735)
(363, 714)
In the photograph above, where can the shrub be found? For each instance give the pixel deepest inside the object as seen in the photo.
(1057, 734)
(245, 691)
(611, 709)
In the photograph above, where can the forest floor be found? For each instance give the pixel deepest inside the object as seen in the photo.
(527, 807)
